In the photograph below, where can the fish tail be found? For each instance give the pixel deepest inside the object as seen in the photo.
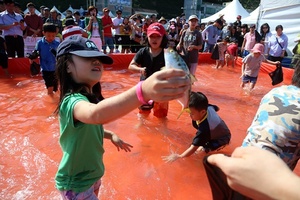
(193, 78)
(183, 110)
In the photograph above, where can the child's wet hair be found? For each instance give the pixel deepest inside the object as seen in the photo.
(226, 39)
(198, 101)
(49, 27)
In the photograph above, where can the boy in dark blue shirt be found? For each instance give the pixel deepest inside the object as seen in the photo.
(212, 132)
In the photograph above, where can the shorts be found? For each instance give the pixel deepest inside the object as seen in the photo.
(118, 39)
(213, 145)
(88, 194)
(50, 79)
(108, 42)
(250, 79)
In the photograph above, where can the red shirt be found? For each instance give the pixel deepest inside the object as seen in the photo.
(145, 27)
(232, 49)
(35, 22)
(107, 30)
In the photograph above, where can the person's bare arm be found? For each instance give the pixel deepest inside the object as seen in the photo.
(162, 86)
(174, 156)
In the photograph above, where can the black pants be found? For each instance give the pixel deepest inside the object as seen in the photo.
(218, 184)
(50, 79)
(3, 60)
(274, 59)
(15, 44)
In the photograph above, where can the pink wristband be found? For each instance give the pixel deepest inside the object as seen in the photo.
(139, 93)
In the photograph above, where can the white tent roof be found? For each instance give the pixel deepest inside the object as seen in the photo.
(265, 4)
(252, 18)
(36, 11)
(62, 15)
(230, 12)
(70, 8)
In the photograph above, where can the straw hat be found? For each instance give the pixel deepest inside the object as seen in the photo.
(162, 19)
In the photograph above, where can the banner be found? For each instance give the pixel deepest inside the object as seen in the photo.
(29, 44)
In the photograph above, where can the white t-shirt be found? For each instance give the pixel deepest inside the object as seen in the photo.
(116, 21)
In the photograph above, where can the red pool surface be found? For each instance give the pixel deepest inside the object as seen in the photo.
(29, 134)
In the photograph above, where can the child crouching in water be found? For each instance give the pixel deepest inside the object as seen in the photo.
(251, 65)
(83, 111)
(212, 132)
(222, 47)
(232, 53)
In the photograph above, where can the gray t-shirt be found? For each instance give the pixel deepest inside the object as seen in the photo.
(191, 38)
(253, 64)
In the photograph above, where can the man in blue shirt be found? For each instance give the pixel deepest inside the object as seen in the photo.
(211, 34)
(12, 24)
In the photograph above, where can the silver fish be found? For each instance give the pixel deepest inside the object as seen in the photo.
(174, 60)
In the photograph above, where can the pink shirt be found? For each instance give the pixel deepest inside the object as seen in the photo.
(250, 41)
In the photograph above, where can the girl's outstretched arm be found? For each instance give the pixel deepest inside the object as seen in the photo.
(118, 142)
(162, 86)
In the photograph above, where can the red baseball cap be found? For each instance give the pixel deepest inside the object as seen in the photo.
(156, 28)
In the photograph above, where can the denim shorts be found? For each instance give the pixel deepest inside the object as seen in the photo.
(250, 79)
(88, 194)
(109, 41)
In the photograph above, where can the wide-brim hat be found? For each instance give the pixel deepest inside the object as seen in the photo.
(82, 47)
(258, 48)
(162, 19)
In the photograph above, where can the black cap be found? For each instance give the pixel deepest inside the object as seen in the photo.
(220, 22)
(82, 47)
(69, 21)
(76, 13)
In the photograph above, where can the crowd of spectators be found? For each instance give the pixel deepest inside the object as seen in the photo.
(127, 34)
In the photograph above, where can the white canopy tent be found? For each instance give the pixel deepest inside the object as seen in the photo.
(231, 11)
(62, 15)
(36, 11)
(252, 18)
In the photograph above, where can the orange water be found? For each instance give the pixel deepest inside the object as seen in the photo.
(30, 153)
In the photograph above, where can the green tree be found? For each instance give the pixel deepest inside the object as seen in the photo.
(166, 8)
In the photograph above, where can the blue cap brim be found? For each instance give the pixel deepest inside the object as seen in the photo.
(92, 54)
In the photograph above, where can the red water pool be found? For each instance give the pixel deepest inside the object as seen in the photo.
(30, 152)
